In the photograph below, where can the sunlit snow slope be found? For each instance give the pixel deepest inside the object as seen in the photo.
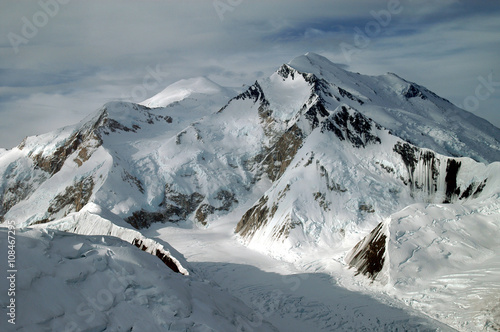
(68, 282)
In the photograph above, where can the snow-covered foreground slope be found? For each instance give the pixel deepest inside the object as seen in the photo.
(68, 282)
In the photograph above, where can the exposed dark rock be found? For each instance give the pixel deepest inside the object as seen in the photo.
(356, 127)
(253, 92)
(388, 169)
(468, 191)
(431, 163)
(203, 212)
(321, 199)
(473, 190)
(87, 139)
(133, 181)
(254, 219)
(412, 156)
(368, 256)
(227, 200)
(283, 231)
(412, 92)
(286, 71)
(452, 190)
(41, 221)
(54, 162)
(479, 188)
(330, 184)
(110, 125)
(167, 260)
(144, 219)
(83, 155)
(115, 126)
(409, 155)
(175, 206)
(310, 160)
(283, 192)
(158, 253)
(279, 156)
(320, 87)
(368, 208)
(314, 113)
(15, 193)
(179, 206)
(74, 198)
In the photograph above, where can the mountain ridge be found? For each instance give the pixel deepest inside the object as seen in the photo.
(332, 155)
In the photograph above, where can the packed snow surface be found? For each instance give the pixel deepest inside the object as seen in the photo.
(68, 282)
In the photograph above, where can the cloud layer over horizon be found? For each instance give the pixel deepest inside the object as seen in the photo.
(82, 54)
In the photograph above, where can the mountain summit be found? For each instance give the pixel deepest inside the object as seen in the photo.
(184, 89)
(306, 162)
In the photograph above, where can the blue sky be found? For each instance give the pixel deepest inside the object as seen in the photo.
(82, 54)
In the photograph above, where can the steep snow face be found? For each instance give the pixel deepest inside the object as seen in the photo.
(286, 93)
(70, 282)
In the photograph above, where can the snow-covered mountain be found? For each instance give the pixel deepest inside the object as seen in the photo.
(306, 162)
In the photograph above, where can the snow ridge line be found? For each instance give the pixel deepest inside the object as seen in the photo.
(97, 225)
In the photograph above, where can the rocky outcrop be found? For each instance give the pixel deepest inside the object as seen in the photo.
(279, 156)
(225, 200)
(330, 183)
(18, 188)
(86, 139)
(368, 256)
(412, 92)
(175, 206)
(315, 114)
(452, 191)
(73, 199)
(426, 174)
(253, 219)
(348, 124)
(161, 254)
